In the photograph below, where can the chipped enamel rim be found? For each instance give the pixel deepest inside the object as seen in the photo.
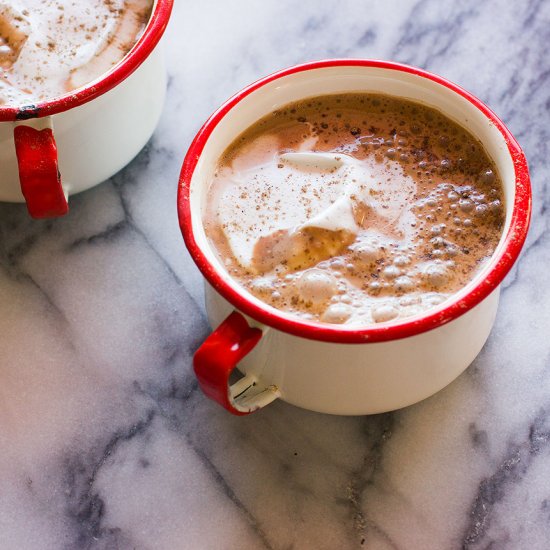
(137, 55)
(499, 266)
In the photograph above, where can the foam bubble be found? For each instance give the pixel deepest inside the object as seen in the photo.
(383, 313)
(316, 286)
(453, 196)
(410, 300)
(391, 272)
(481, 210)
(337, 313)
(263, 285)
(434, 298)
(404, 283)
(375, 286)
(401, 261)
(435, 274)
(367, 253)
(337, 264)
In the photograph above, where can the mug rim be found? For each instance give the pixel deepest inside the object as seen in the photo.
(123, 69)
(500, 265)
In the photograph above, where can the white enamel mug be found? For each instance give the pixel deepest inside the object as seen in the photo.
(59, 147)
(343, 369)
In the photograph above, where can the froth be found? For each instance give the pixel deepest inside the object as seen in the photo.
(265, 200)
(50, 47)
(355, 209)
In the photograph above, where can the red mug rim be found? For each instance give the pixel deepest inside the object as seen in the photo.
(137, 55)
(500, 264)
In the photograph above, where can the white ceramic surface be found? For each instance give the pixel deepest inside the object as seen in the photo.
(353, 379)
(97, 139)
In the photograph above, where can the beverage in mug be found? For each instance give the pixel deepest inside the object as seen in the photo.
(355, 208)
(374, 191)
(51, 47)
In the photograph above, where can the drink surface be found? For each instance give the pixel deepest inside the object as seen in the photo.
(51, 47)
(354, 208)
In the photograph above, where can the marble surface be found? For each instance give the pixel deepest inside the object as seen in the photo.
(106, 441)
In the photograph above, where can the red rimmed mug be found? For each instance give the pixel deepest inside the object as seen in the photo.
(99, 128)
(335, 368)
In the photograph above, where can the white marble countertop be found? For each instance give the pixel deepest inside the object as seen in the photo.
(106, 441)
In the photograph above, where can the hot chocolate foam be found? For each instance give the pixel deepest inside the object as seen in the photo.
(50, 47)
(332, 223)
(294, 192)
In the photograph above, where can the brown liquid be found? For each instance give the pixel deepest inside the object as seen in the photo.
(424, 214)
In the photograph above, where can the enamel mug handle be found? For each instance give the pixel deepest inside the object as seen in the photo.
(218, 357)
(38, 168)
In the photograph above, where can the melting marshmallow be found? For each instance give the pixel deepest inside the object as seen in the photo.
(266, 203)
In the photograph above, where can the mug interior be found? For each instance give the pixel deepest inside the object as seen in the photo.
(340, 79)
(160, 15)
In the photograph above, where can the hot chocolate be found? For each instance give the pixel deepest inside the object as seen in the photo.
(50, 47)
(355, 208)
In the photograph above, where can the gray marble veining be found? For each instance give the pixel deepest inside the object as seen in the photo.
(106, 440)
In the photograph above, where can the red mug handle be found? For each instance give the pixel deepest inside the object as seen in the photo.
(216, 359)
(38, 169)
